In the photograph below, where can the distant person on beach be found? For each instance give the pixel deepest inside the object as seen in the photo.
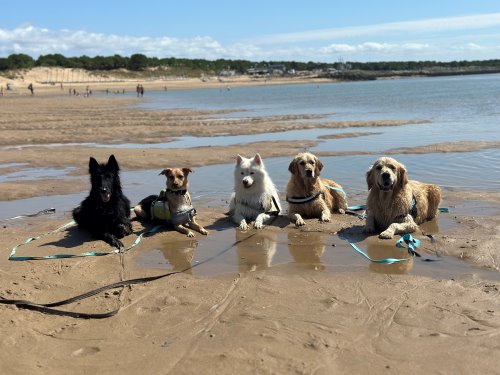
(142, 91)
(30, 87)
(1, 90)
(138, 90)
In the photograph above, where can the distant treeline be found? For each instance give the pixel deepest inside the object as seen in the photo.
(139, 62)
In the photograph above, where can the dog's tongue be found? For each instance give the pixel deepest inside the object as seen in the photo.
(105, 197)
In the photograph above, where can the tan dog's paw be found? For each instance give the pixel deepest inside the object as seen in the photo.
(204, 231)
(325, 217)
(190, 234)
(386, 235)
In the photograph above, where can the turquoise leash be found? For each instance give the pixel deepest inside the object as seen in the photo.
(14, 257)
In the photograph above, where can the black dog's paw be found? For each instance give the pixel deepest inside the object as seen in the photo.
(124, 229)
(113, 240)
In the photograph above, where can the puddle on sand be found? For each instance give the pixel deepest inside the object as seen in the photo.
(259, 250)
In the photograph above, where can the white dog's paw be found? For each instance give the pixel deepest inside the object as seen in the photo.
(258, 225)
(190, 234)
(243, 225)
(386, 235)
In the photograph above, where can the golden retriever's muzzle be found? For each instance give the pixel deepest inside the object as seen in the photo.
(386, 181)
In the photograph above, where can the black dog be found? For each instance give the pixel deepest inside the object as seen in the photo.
(106, 211)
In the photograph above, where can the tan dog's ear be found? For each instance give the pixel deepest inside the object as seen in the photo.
(186, 171)
(369, 177)
(165, 171)
(402, 176)
(319, 167)
(293, 168)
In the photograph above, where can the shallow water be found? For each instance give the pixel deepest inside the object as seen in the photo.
(259, 250)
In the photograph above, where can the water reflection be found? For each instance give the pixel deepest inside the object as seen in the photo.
(255, 250)
(307, 248)
(180, 254)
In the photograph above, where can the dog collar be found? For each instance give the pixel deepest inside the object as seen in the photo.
(300, 200)
(177, 192)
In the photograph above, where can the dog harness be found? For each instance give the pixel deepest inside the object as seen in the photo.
(413, 210)
(275, 212)
(161, 211)
(310, 198)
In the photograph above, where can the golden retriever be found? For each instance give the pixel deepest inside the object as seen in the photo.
(308, 194)
(395, 204)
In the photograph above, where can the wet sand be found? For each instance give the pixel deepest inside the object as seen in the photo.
(262, 313)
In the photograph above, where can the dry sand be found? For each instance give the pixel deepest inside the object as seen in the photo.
(283, 319)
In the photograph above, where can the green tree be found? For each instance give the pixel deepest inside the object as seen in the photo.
(138, 62)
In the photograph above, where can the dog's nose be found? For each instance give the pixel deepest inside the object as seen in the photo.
(309, 173)
(104, 190)
(386, 175)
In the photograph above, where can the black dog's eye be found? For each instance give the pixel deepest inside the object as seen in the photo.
(252, 172)
(242, 173)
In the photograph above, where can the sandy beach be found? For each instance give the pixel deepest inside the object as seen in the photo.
(294, 317)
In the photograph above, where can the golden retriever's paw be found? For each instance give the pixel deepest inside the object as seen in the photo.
(243, 226)
(325, 217)
(190, 234)
(258, 225)
(300, 222)
(341, 211)
(386, 235)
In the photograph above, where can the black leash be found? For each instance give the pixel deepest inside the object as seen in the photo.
(48, 308)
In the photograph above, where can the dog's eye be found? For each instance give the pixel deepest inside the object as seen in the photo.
(242, 173)
(392, 167)
(302, 163)
(252, 172)
(379, 167)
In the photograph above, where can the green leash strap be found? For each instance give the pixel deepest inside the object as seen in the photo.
(14, 257)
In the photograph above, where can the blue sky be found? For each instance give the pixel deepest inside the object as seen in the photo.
(358, 30)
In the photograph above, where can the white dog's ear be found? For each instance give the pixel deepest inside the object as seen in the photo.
(319, 167)
(239, 159)
(369, 177)
(293, 168)
(257, 159)
(402, 176)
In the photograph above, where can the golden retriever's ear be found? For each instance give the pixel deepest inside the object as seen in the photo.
(319, 167)
(187, 171)
(369, 178)
(402, 176)
(293, 168)
(165, 171)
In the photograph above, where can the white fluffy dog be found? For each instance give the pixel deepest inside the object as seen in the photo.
(255, 196)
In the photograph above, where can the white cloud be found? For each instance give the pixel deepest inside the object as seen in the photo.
(433, 25)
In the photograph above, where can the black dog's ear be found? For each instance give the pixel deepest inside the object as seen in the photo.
(293, 166)
(93, 164)
(113, 164)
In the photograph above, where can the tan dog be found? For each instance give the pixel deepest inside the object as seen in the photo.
(395, 204)
(309, 195)
(179, 211)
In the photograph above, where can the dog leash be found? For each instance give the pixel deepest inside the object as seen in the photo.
(15, 257)
(48, 308)
(406, 241)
